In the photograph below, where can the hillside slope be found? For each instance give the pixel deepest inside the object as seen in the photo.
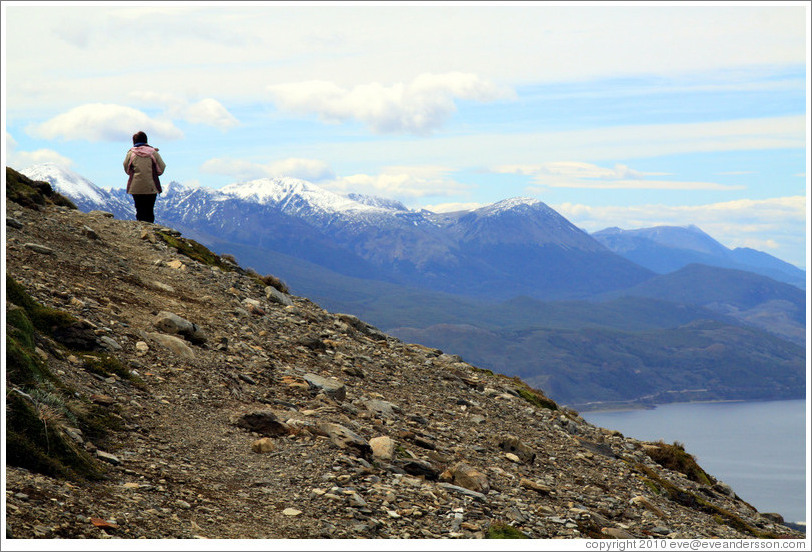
(202, 403)
(753, 299)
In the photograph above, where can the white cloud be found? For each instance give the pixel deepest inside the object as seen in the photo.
(104, 123)
(418, 107)
(312, 170)
(776, 224)
(402, 183)
(567, 174)
(23, 159)
(207, 111)
(11, 143)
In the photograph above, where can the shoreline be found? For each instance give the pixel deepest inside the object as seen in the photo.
(610, 407)
(644, 425)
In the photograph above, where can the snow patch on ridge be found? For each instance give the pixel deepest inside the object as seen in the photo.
(283, 191)
(509, 205)
(65, 181)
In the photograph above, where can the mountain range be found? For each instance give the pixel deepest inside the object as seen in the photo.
(664, 249)
(513, 268)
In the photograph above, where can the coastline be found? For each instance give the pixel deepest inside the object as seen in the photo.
(757, 447)
(609, 407)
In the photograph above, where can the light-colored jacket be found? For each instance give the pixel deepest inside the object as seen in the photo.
(144, 165)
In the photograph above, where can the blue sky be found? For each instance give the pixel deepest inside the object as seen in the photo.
(615, 115)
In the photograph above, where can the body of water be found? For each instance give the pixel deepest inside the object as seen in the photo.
(758, 448)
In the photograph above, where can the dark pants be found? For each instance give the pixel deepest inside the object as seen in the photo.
(144, 206)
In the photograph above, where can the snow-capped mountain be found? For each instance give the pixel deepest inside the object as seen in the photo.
(664, 249)
(292, 196)
(516, 246)
(86, 195)
(66, 182)
(520, 220)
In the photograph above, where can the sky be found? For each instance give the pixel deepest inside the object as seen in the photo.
(628, 115)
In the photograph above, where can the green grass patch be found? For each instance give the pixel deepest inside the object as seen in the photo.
(55, 323)
(39, 406)
(35, 440)
(536, 398)
(501, 530)
(106, 365)
(195, 251)
(24, 366)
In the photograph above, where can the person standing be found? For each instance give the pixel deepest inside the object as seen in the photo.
(144, 165)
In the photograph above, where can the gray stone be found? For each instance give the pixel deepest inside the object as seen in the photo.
(41, 249)
(514, 445)
(330, 386)
(469, 477)
(174, 344)
(171, 323)
(381, 408)
(109, 343)
(346, 439)
(616, 533)
(275, 296)
(463, 491)
(107, 457)
(382, 447)
(90, 233)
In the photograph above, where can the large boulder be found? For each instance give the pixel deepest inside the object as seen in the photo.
(171, 323)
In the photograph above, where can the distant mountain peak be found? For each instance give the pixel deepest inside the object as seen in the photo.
(668, 248)
(510, 204)
(287, 192)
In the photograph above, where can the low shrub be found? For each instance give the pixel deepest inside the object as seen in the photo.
(674, 457)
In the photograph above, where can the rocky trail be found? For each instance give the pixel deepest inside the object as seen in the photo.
(238, 411)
